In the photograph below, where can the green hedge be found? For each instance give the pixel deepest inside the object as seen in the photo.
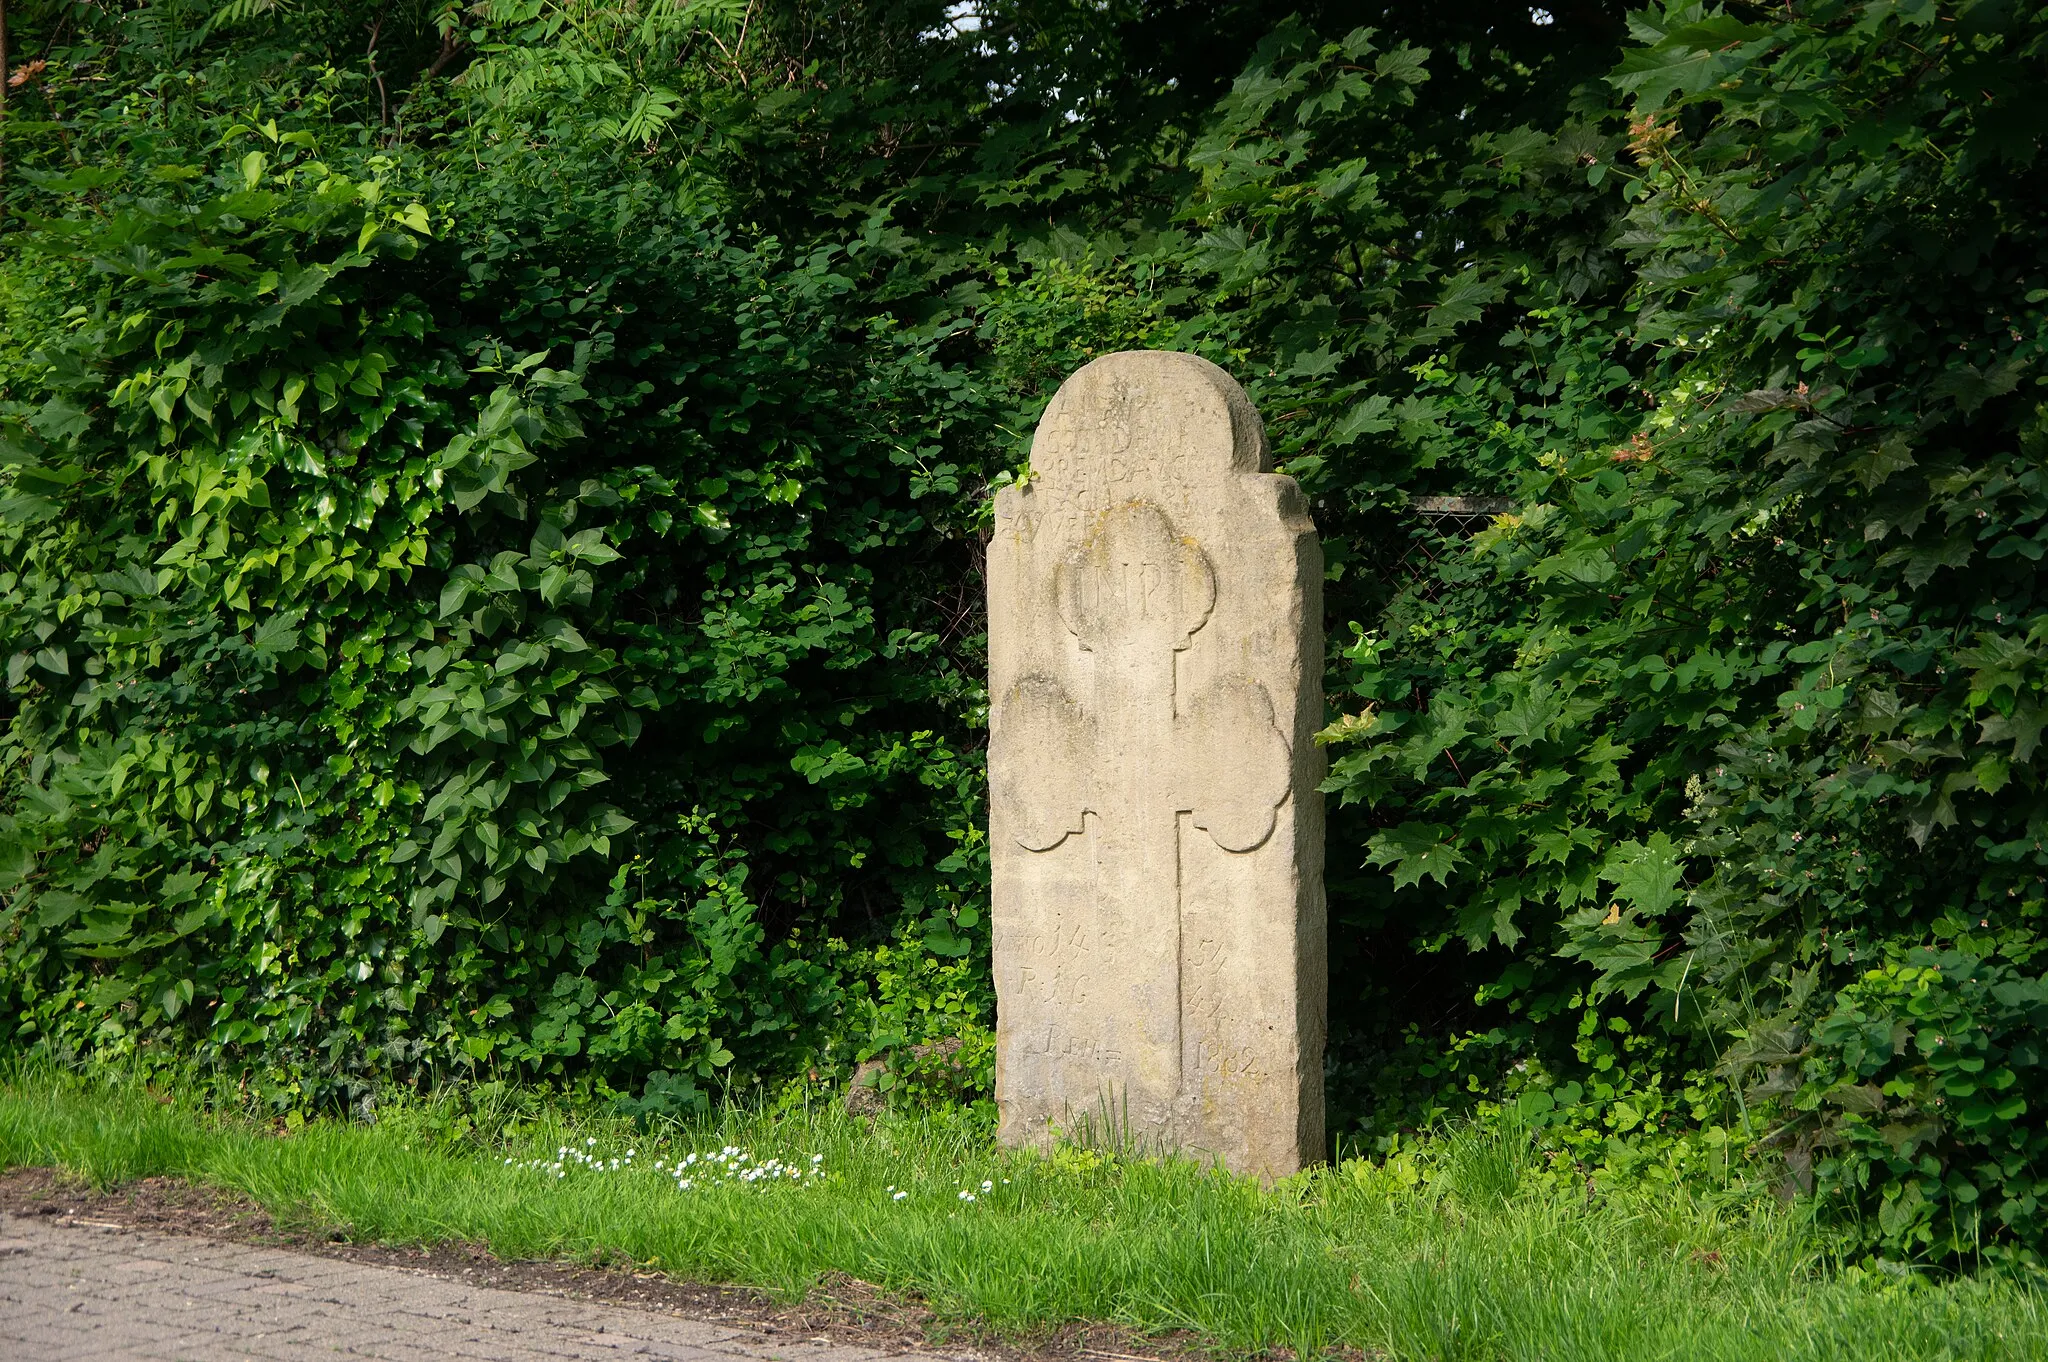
(508, 633)
(491, 539)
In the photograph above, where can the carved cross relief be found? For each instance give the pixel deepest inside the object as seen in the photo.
(1134, 596)
(1155, 614)
(1132, 756)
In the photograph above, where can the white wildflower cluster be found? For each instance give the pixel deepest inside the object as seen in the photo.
(728, 1165)
(735, 1165)
(569, 1156)
(964, 1194)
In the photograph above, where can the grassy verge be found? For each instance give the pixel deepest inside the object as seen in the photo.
(1468, 1251)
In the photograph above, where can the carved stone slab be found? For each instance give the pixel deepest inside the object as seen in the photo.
(1155, 654)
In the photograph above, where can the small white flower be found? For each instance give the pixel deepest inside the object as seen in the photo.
(987, 1186)
(899, 1196)
(589, 1143)
(817, 1158)
(966, 1196)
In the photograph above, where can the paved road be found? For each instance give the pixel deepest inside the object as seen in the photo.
(82, 1294)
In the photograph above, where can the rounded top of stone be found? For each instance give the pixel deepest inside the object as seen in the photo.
(1155, 407)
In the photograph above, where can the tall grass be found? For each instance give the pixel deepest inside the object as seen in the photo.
(1472, 1250)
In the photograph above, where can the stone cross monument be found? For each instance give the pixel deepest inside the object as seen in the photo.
(1155, 656)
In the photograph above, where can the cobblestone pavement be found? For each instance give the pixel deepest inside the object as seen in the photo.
(71, 1293)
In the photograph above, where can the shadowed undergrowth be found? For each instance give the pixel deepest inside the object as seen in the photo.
(1468, 1248)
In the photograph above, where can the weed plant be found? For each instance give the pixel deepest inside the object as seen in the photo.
(1467, 1246)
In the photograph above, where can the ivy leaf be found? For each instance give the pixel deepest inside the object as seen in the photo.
(1415, 850)
(1404, 64)
(56, 907)
(1463, 296)
(561, 635)
(1970, 387)
(61, 420)
(1654, 74)
(1369, 417)
(1922, 561)
(278, 634)
(940, 939)
(1645, 875)
(1529, 718)
(589, 546)
(2022, 728)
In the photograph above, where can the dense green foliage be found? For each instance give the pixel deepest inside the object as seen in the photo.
(489, 539)
(357, 552)
(1761, 724)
